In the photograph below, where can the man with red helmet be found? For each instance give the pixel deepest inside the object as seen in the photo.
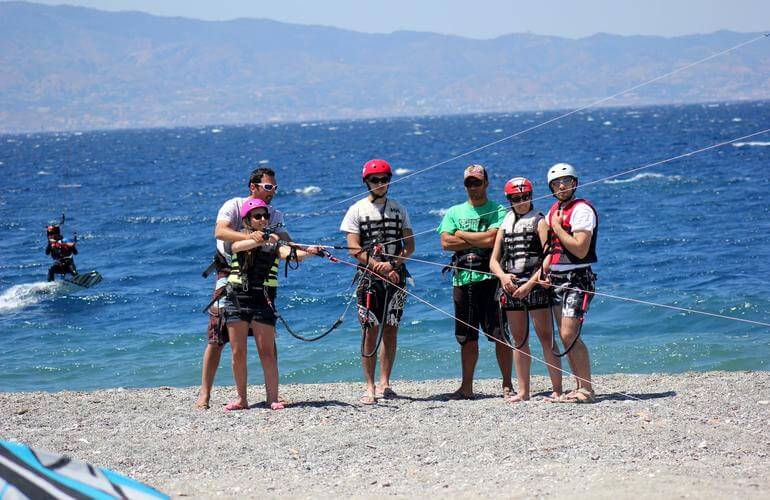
(574, 227)
(380, 237)
(469, 230)
(516, 260)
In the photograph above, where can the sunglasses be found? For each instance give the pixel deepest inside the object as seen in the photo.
(267, 186)
(378, 180)
(260, 215)
(518, 199)
(474, 183)
(563, 181)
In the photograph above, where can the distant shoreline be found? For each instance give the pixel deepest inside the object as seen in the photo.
(696, 434)
(335, 120)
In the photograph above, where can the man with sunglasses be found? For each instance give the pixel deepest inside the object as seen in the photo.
(379, 236)
(262, 186)
(574, 226)
(469, 229)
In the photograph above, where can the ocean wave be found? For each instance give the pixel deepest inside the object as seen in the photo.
(438, 211)
(646, 175)
(402, 171)
(20, 296)
(751, 143)
(68, 186)
(216, 130)
(308, 190)
(41, 172)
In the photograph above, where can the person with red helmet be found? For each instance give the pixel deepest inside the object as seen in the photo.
(574, 225)
(516, 260)
(61, 251)
(249, 301)
(380, 237)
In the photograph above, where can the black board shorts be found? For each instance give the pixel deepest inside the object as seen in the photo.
(476, 307)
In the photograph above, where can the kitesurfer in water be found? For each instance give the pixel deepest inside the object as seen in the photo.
(249, 302)
(380, 237)
(469, 230)
(61, 251)
(262, 185)
(517, 258)
(574, 225)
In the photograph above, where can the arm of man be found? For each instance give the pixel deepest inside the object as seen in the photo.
(223, 231)
(484, 239)
(354, 242)
(453, 243)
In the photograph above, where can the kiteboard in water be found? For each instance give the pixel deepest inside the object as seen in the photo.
(84, 280)
(33, 473)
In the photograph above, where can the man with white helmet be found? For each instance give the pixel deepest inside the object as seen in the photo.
(572, 244)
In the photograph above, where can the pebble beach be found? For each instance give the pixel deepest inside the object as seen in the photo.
(692, 435)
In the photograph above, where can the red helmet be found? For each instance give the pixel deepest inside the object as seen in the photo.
(375, 166)
(518, 185)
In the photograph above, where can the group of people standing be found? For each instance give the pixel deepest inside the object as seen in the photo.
(508, 267)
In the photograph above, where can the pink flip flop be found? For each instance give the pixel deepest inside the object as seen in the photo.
(235, 407)
(277, 406)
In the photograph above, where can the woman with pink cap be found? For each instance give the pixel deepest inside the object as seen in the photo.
(250, 300)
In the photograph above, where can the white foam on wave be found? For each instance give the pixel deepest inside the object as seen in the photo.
(751, 143)
(640, 177)
(439, 212)
(402, 171)
(607, 123)
(216, 130)
(69, 186)
(41, 172)
(308, 190)
(737, 120)
(264, 162)
(20, 296)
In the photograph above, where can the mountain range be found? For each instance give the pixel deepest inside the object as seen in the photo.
(66, 68)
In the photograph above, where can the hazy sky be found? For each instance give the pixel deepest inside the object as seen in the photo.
(475, 18)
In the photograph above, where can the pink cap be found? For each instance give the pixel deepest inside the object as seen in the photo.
(250, 205)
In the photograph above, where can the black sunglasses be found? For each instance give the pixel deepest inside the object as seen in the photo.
(518, 199)
(378, 180)
(474, 183)
(260, 215)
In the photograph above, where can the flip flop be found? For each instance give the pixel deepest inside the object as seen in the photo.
(202, 406)
(367, 399)
(459, 396)
(515, 399)
(235, 407)
(580, 396)
(277, 406)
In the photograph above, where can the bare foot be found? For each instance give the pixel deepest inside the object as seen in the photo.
(237, 406)
(368, 399)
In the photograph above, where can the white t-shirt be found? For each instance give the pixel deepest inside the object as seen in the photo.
(351, 223)
(582, 218)
(231, 213)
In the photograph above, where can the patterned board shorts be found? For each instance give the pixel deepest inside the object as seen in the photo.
(385, 302)
(571, 291)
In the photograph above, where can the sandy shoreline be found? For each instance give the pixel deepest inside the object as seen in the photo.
(701, 435)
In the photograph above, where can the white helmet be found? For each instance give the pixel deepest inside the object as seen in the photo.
(561, 170)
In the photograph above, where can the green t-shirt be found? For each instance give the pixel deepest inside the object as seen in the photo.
(466, 217)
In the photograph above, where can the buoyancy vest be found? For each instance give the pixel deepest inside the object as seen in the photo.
(255, 268)
(387, 231)
(522, 250)
(61, 250)
(560, 255)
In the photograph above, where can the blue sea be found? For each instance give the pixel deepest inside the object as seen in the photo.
(694, 233)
